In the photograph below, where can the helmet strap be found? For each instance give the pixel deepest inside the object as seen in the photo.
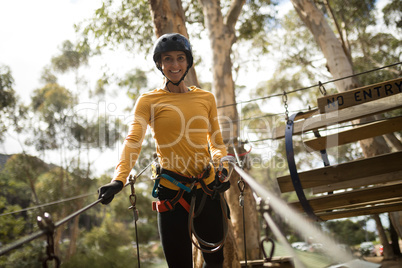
(177, 83)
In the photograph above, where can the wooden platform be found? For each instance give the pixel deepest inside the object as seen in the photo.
(282, 262)
(360, 187)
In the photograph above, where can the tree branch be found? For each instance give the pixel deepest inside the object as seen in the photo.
(233, 14)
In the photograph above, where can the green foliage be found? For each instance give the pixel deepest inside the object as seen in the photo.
(111, 245)
(349, 232)
(14, 187)
(7, 98)
(393, 11)
(11, 226)
(70, 58)
(134, 81)
(48, 77)
(7, 94)
(113, 24)
(255, 23)
(356, 15)
(51, 103)
(30, 255)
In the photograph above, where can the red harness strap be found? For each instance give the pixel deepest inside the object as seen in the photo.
(169, 204)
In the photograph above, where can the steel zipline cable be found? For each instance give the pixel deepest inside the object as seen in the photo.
(312, 86)
(256, 187)
(47, 204)
(340, 127)
(40, 233)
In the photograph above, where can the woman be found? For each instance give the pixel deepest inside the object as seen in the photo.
(189, 146)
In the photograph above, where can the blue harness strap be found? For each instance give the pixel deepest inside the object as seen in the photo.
(155, 189)
(177, 183)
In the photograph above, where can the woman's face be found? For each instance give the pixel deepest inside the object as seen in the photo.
(174, 65)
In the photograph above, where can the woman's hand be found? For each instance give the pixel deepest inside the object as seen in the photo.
(107, 191)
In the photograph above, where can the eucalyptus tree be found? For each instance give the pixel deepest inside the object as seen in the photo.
(12, 112)
(7, 96)
(342, 40)
(129, 23)
(340, 60)
(70, 130)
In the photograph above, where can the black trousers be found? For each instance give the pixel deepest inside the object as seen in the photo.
(174, 231)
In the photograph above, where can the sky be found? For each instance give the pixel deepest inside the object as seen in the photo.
(32, 33)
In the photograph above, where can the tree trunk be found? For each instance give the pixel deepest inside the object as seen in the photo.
(74, 231)
(388, 251)
(168, 17)
(222, 36)
(394, 237)
(339, 66)
(337, 61)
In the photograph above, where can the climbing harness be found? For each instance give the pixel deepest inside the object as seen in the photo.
(214, 246)
(180, 181)
(133, 201)
(193, 182)
(46, 224)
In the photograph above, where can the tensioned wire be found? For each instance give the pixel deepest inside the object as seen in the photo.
(296, 90)
(238, 120)
(305, 88)
(342, 126)
(47, 204)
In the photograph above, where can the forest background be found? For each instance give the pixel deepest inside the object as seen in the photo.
(100, 91)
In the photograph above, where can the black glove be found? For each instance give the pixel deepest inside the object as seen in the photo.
(220, 187)
(107, 191)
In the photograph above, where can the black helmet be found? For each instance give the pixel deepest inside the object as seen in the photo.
(172, 42)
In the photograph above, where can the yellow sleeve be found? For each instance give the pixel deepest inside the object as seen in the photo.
(217, 147)
(132, 143)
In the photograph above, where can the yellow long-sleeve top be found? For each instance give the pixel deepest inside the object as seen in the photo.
(183, 125)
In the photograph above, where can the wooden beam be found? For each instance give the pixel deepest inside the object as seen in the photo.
(307, 114)
(340, 116)
(371, 180)
(352, 198)
(358, 133)
(359, 95)
(360, 211)
(344, 172)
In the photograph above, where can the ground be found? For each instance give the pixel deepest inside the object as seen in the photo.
(397, 263)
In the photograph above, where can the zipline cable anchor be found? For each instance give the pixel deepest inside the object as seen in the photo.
(46, 224)
(322, 89)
